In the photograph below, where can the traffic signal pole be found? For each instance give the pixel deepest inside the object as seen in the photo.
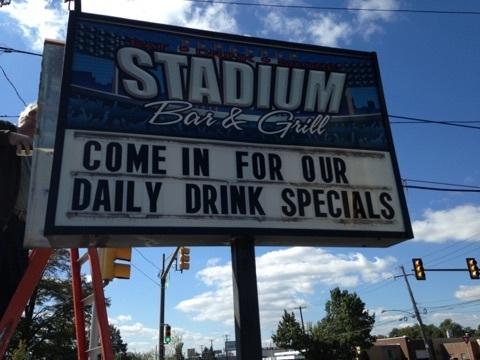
(163, 281)
(431, 352)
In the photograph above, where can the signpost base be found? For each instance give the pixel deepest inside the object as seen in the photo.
(245, 299)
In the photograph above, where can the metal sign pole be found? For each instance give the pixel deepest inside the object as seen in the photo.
(245, 299)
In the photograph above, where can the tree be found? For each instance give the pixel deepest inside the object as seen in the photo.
(47, 327)
(20, 353)
(289, 334)
(208, 354)
(118, 346)
(413, 332)
(455, 329)
(346, 325)
(174, 349)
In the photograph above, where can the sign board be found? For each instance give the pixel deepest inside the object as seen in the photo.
(230, 345)
(169, 134)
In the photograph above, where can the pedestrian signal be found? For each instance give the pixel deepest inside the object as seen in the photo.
(184, 258)
(473, 268)
(418, 269)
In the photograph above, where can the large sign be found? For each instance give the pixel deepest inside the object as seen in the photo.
(170, 134)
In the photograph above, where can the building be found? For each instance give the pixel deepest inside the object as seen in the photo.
(404, 348)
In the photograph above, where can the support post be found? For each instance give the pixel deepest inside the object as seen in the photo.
(301, 318)
(161, 345)
(163, 280)
(245, 299)
(78, 5)
(431, 352)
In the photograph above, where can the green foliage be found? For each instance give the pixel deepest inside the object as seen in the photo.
(47, 327)
(118, 346)
(455, 329)
(432, 331)
(208, 354)
(141, 356)
(20, 353)
(346, 325)
(289, 334)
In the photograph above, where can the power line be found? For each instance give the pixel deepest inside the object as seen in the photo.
(426, 121)
(441, 183)
(440, 189)
(336, 8)
(13, 86)
(146, 259)
(147, 276)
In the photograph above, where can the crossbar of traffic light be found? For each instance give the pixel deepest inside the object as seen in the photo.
(420, 271)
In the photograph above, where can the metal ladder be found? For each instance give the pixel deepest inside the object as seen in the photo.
(100, 343)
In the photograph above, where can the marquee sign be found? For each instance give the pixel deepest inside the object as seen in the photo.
(173, 133)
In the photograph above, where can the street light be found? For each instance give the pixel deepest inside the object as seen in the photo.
(412, 315)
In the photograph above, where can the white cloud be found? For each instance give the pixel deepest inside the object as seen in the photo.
(213, 261)
(124, 318)
(141, 338)
(466, 293)
(324, 30)
(371, 16)
(459, 223)
(285, 278)
(327, 28)
(369, 22)
(137, 335)
(39, 19)
(328, 31)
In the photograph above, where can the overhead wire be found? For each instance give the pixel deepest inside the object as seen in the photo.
(147, 260)
(459, 253)
(13, 86)
(335, 8)
(146, 275)
(438, 122)
(440, 189)
(440, 183)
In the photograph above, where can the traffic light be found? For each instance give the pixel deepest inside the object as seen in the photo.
(418, 268)
(184, 258)
(110, 267)
(473, 269)
(168, 334)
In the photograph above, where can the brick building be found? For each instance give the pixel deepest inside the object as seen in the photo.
(404, 348)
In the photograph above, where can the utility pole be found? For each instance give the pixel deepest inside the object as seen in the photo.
(431, 352)
(301, 316)
(226, 351)
(163, 280)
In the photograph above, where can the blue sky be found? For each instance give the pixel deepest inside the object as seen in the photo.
(429, 68)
